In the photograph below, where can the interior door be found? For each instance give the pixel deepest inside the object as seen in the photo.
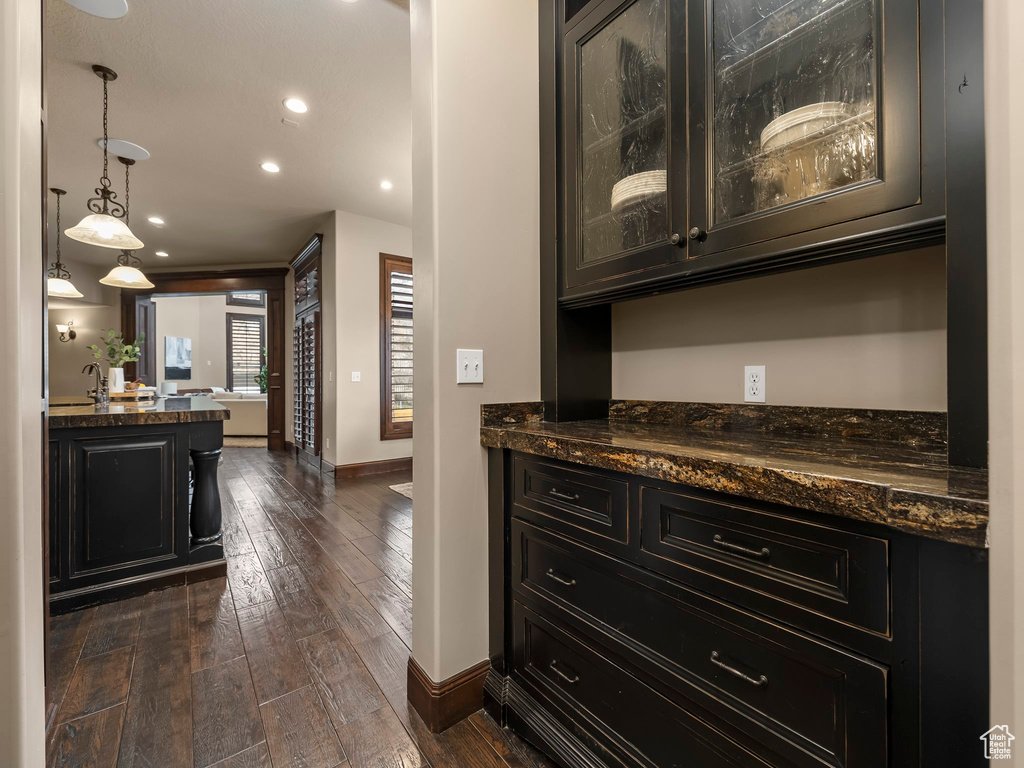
(145, 320)
(805, 113)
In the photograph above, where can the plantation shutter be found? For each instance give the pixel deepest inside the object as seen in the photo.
(246, 340)
(396, 347)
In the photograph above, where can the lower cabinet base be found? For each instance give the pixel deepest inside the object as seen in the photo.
(512, 706)
(74, 599)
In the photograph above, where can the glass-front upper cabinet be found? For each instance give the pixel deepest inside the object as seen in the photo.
(804, 113)
(624, 113)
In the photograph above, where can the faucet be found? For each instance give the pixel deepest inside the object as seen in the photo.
(94, 368)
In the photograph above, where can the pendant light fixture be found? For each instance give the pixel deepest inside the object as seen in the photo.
(127, 273)
(58, 280)
(103, 227)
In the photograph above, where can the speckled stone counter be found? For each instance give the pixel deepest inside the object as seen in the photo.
(171, 410)
(886, 467)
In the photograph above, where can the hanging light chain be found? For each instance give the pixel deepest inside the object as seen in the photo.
(57, 269)
(105, 201)
(105, 180)
(127, 258)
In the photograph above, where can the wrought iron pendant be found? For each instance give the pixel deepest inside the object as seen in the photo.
(58, 280)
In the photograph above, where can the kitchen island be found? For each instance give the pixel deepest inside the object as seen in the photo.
(134, 502)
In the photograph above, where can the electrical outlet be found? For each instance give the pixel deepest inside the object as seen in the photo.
(357, 376)
(753, 383)
(469, 366)
(328, 441)
(330, 376)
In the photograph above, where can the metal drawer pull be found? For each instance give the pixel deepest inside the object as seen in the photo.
(553, 574)
(563, 496)
(570, 679)
(760, 554)
(759, 682)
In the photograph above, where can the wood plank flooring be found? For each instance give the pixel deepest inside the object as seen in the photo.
(297, 658)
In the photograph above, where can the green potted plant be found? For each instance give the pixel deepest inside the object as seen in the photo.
(261, 377)
(117, 354)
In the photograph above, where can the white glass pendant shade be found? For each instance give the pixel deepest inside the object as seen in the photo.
(61, 288)
(104, 231)
(126, 277)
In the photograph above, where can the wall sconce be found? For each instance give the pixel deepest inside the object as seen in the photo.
(67, 333)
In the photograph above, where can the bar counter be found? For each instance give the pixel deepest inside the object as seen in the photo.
(134, 501)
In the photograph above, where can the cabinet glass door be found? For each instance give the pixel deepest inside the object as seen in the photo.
(793, 113)
(617, 135)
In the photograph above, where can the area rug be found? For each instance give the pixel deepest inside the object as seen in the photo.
(403, 488)
(245, 442)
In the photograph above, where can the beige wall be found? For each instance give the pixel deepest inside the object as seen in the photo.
(864, 334)
(359, 241)
(24, 343)
(1004, 140)
(475, 219)
(100, 309)
(202, 319)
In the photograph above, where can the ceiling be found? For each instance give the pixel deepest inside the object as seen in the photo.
(200, 85)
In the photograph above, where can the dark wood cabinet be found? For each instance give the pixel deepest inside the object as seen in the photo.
(714, 139)
(637, 622)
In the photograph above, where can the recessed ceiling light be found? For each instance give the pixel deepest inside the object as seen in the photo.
(155, 220)
(386, 184)
(296, 105)
(162, 254)
(105, 9)
(270, 167)
(350, 2)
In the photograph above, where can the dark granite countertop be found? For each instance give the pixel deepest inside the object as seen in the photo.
(817, 459)
(171, 410)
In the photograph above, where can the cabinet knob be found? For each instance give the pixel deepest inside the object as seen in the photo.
(675, 238)
(696, 233)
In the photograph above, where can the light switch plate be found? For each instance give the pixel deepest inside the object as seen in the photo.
(469, 366)
(753, 383)
(357, 376)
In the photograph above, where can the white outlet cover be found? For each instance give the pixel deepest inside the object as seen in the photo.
(357, 376)
(753, 383)
(469, 366)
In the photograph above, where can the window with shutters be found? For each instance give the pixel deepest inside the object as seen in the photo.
(247, 338)
(247, 299)
(396, 373)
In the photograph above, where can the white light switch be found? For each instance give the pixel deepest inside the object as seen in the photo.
(357, 376)
(469, 366)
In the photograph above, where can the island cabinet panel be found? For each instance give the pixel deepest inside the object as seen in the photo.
(54, 537)
(123, 501)
(704, 140)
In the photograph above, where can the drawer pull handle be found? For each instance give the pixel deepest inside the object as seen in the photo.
(760, 554)
(758, 682)
(570, 679)
(563, 496)
(553, 575)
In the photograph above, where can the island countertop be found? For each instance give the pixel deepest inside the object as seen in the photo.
(812, 459)
(171, 410)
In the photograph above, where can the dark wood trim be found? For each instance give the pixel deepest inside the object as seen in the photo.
(389, 430)
(372, 467)
(229, 345)
(49, 712)
(966, 272)
(442, 705)
(74, 599)
(271, 281)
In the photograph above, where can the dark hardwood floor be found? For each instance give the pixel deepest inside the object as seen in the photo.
(298, 658)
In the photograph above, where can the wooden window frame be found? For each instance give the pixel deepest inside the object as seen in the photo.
(389, 430)
(227, 341)
(234, 301)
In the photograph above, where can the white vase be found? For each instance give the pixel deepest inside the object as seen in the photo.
(115, 380)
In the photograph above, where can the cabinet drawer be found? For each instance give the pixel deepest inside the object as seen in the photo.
(779, 686)
(756, 555)
(624, 715)
(586, 500)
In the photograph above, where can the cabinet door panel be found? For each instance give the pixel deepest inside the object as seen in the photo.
(625, 178)
(123, 501)
(809, 116)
